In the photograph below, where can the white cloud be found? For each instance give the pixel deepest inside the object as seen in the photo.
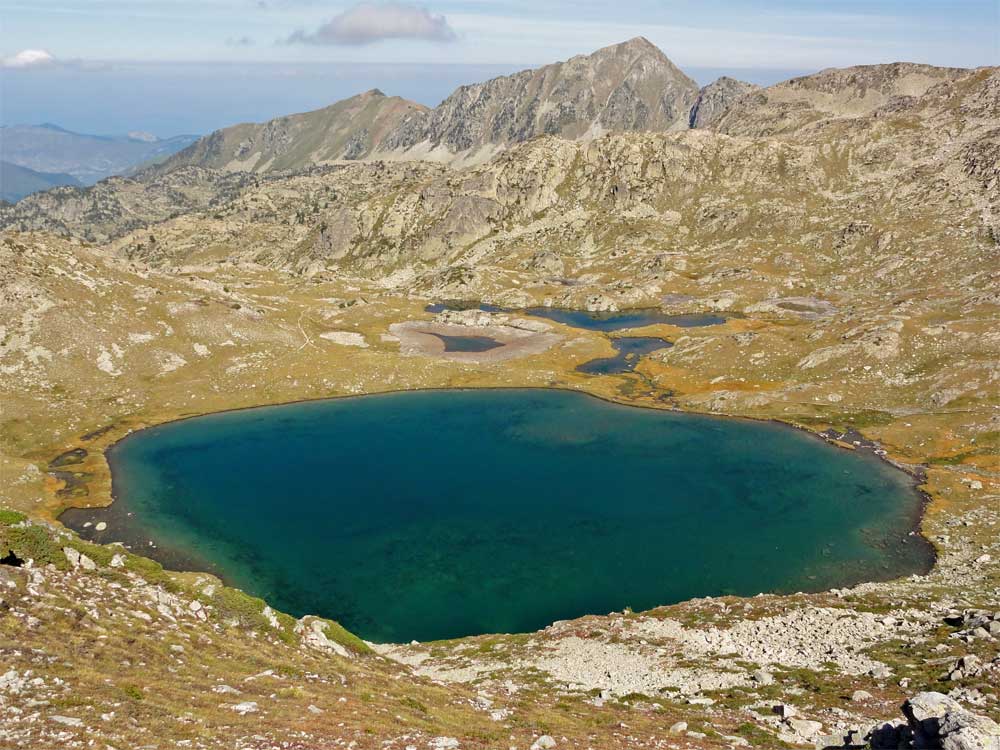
(29, 58)
(370, 22)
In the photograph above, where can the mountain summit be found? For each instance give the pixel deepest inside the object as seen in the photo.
(626, 87)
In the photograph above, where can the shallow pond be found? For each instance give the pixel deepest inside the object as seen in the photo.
(592, 321)
(468, 343)
(630, 350)
(434, 514)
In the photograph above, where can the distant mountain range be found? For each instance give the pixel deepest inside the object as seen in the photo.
(630, 86)
(17, 182)
(54, 151)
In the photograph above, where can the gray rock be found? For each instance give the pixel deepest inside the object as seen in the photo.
(762, 677)
(247, 707)
(715, 99)
(938, 721)
(805, 727)
(970, 664)
(543, 743)
(963, 730)
(70, 721)
(784, 711)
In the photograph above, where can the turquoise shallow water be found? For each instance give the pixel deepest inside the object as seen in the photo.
(435, 514)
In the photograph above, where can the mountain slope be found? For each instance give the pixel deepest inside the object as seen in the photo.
(120, 204)
(631, 86)
(628, 87)
(16, 181)
(88, 158)
(808, 102)
(346, 130)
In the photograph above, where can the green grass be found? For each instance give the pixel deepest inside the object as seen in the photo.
(239, 608)
(32, 543)
(339, 634)
(11, 517)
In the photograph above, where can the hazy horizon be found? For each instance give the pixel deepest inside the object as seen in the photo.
(191, 66)
(169, 99)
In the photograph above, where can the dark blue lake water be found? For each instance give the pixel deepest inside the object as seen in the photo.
(436, 514)
(593, 321)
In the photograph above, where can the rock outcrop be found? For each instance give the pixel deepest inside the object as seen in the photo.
(715, 99)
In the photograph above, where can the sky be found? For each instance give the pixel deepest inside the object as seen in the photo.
(173, 66)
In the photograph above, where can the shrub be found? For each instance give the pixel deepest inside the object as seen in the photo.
(32, 543)
(148, 569)
(245, 610)
(100, 555)
(339, 634)
(11, 517)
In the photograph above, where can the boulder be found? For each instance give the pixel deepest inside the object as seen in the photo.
(762, 677)
(805, 727)
(938, 721)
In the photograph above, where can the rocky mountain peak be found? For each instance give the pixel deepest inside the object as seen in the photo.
(630, 86)
(635, 50)
(715, 99)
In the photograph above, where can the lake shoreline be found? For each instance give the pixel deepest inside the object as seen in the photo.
(185, 562)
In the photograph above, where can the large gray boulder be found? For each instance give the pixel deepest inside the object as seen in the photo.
(938, 721)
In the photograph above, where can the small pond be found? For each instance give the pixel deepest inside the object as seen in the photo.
(630, 350)
(593, 321)
(468, 343)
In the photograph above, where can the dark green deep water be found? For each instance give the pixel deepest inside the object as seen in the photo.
(435, 514)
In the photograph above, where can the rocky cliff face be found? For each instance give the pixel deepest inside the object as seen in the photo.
(631, 86)
(715, 99)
